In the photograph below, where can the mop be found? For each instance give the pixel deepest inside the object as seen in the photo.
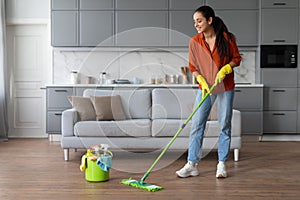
(151, 187)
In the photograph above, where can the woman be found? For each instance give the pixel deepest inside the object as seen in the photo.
(213, 54)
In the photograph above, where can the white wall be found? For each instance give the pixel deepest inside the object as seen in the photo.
(27, 9)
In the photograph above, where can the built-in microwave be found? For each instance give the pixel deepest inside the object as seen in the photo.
(278, 56)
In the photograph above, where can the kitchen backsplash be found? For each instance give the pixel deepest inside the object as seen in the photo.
(144, 64)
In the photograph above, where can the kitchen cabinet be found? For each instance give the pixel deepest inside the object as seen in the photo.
(141, 5)
(243, 24)
(142, 28)
(64, 4)
(280, 100)
(283, 14)
(281, 77)
(249, 100)
(56, 102)
(280, 122)
(190, 5)
(279, 3)
(277, 98)
(79, 90)
(280, 110)
(96, 28)
(233, 4)
(286, 19)
(298, 112)
(96, 4)
(181, 23)
(240, 17)
(181, 27)
(64, 28)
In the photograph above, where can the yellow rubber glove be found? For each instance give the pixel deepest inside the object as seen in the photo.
(205, 88)
(83, 163)
(226, 69)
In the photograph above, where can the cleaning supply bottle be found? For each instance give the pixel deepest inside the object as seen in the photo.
(105, 149)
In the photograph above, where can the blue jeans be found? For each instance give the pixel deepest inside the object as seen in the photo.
(225, 102)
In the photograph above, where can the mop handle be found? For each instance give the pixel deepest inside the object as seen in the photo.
(175, 136)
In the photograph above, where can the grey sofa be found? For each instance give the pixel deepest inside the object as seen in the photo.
(153, 116)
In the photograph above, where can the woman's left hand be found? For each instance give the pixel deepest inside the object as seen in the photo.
(226, 69)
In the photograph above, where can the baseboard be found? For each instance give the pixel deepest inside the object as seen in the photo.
(250, 138)
(286, 138)
(54, 137)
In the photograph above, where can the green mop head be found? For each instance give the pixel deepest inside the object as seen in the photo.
(141, 185)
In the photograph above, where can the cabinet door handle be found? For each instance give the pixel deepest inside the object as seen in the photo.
(278, 90)
(61, 90)
(238, 90)
(277, 114)
(279, 3)
(58, 114)
(278, 40)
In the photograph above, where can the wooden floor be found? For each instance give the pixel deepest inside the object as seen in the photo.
(35, 169)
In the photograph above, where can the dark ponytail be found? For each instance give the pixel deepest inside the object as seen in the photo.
(219, 28)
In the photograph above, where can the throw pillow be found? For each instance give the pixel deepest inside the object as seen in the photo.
(84, 107)
(108, 107)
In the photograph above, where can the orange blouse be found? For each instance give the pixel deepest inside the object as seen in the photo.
(208, 63)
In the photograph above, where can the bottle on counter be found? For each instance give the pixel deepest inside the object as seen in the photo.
(102, 78)
(74, 77)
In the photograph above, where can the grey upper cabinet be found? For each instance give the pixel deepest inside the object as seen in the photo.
(181, 23)
(279, 3)
(141, 5)
(241, 18)
(233, 4)
(96, 4)
(96, 28)
(64, 4)
(286, 19)
(243, 24)
(64, 28)
(181, 27)
(185, 5)
(141, 28)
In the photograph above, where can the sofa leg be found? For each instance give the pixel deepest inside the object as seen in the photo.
(66, 154)
(236, 155)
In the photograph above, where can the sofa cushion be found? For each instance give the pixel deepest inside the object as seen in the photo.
(83, 106)
(108, 107)
(173, 103)
(169, 127)
(124, 128)
(136, 103)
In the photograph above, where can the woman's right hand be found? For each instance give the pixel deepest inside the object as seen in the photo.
(204, 85)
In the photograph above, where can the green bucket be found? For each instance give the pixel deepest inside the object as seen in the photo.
(94, 173)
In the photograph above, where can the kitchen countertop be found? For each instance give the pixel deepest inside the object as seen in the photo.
(144, 85)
